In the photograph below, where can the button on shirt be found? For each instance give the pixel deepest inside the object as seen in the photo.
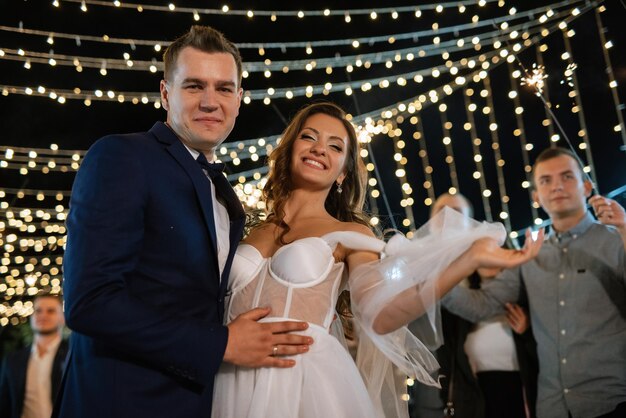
(222, 222)
(38, 391)
(577, 294)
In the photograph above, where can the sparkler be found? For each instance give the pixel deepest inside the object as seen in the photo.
(535, 78)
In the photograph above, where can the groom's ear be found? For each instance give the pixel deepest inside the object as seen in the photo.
(164, 95)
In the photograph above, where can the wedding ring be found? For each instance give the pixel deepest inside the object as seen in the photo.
(275, 350)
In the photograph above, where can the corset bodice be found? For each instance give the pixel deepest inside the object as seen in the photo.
(300, 281)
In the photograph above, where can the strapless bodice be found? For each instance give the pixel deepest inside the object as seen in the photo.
(301, 280)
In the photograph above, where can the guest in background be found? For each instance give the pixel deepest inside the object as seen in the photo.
(30, 377)
(576, 290)
(484, 364)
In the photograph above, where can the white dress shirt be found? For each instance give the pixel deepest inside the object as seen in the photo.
(38, 391)
(222, 221)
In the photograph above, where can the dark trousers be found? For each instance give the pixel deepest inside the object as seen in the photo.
(619, 412)
(503, 392)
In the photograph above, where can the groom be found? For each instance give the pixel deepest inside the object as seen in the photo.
(151, 238)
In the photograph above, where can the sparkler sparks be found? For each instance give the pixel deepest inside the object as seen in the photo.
(535, 78)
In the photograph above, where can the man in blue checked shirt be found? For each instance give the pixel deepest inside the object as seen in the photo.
(576, 290)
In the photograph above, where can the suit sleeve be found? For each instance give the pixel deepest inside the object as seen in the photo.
(5, 393)
(480, 304)
(105, 235)
(7, 403)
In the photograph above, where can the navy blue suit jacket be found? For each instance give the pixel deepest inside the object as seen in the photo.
(141, 282)
(13, 379)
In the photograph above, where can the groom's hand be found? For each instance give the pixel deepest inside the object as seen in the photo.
(261, 344)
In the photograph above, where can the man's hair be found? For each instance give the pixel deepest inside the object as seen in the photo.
(470, 207)
(56, 297)
(550, 153)
(203, 38)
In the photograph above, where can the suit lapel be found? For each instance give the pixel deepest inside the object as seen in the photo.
(200, 182)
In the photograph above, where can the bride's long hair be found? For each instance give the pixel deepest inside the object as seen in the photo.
(346, 206)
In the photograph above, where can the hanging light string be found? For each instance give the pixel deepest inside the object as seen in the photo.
(419, 136)
(229, 154)
(406, 190)
(391, 38)
(446, 125)
(158, 45)
(236, 152)
(309, 64)
(226, 10)
(510, 56)
(545, 92)
(497, 155)
(153, 66)
(520, 132)
(223, 151)
(62, 95)
(538, 93)
(620, 127)
(139, 97)
(359, 60)
(287, 92)
(570, 73)
(53, 150)
(479, 174)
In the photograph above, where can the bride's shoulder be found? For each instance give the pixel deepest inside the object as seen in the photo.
(355, 227)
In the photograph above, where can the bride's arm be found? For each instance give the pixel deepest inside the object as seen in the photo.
(413, 302)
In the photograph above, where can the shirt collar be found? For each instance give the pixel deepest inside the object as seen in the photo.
(585, 223)
(52, 347)
(192, 151)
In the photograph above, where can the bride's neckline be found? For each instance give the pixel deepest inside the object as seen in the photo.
(282, 247)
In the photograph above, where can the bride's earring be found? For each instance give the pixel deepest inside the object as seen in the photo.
(339, 189)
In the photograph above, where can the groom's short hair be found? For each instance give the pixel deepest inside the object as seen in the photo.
(203, 38)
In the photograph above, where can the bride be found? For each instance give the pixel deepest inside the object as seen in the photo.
(315, 243)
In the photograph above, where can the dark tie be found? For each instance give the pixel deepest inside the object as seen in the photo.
(223, 189)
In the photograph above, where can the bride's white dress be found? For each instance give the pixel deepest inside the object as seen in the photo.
(301, 281)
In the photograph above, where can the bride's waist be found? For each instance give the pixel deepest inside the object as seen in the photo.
(312, 325)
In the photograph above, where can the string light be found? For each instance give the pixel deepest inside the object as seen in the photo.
(454, 30)
(620, 127)
(520, 132)
(274, 13)
(570, 75)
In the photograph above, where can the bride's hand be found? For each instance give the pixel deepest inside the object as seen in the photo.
(488, 254)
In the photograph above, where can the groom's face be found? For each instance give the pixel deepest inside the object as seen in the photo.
(202, 98)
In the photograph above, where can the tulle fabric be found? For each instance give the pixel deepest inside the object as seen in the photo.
(409, 264)
(325, 381)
